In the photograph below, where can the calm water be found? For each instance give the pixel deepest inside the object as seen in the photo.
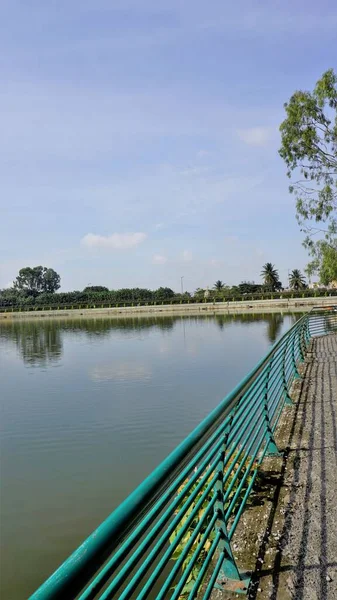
(89, 407)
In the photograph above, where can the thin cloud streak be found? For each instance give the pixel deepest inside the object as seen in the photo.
(115, 241)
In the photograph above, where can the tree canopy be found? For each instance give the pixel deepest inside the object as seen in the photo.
(96, 288)
(35, 280)
(309, 149)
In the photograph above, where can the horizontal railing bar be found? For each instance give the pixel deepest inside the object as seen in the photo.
(205, 565)
(162, 541)
(179, 562)
(242, 481)
(167, 556)
(105, 574)
(195, 556)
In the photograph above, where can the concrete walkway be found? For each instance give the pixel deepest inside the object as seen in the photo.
(309, 553)
(304, 561)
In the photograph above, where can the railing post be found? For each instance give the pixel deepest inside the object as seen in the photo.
(297, 374)
(307, 330)
(229, 578)
(272, 449)
(288, 399)
(300, 342)
(305, 336)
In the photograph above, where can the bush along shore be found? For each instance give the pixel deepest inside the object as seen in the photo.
(83, 301)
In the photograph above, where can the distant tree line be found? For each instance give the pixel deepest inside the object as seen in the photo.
(37, 286)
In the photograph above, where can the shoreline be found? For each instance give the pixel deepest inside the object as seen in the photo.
(275, 305)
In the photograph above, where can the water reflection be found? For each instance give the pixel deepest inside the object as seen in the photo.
(274, 321)
(121, 371)
(274, 327)
(40, 342)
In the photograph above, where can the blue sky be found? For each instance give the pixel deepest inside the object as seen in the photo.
(139, 138)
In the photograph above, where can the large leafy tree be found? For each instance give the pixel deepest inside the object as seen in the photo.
(309, 149)
(34, 280)
(270, 277)
(297, 280)
(249, 287)
(164, 293)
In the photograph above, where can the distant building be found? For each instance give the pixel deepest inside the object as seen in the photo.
(316, 285)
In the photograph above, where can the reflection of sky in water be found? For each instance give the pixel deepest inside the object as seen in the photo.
(78, 438)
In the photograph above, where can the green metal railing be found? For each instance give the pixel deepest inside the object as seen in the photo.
(172, 537)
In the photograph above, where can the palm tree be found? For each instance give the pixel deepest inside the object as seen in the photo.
(271, 277)
(297, 280)
(219, 285)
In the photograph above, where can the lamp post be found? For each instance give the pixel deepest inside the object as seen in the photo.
(182, 285)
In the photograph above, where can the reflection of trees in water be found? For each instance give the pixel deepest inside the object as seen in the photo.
(274, 321)
(38, 343)
(103, 326)
(274, 327)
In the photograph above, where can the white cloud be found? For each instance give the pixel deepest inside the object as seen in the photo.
(115, 241)
(255, 136)
(187, 256)
(158, 259)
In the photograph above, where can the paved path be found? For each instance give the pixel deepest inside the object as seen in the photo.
(307, 568)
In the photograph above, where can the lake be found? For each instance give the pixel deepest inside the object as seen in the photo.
(90, 406)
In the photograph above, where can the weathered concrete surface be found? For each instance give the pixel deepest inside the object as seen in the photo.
(307, 566)
(289, 539)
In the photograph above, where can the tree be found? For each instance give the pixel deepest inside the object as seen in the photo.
(328, 263)
(324, 263)
(34, 280)
(297, 280)
(270, 277)
(163, 293)
(219, 285)
(96, 288)
(51, 281)
(249, 287)
(309, 149)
